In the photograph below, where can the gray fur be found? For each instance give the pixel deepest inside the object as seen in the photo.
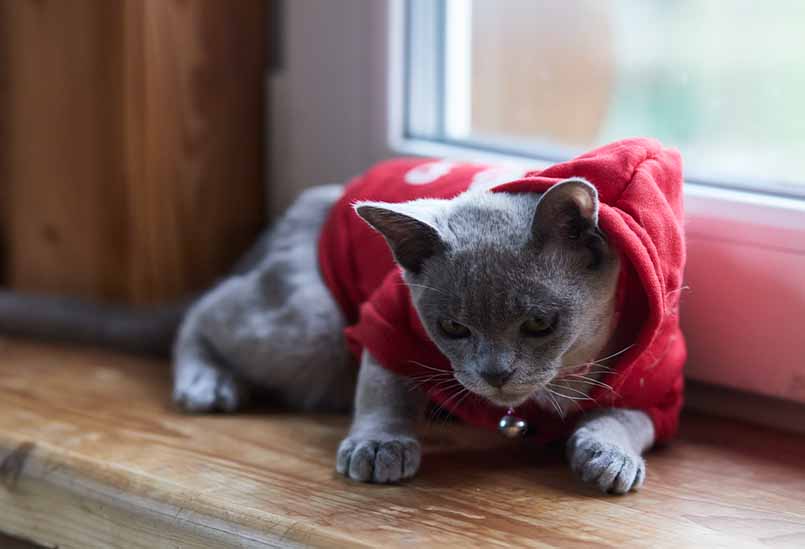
(276, 327)
(493, 277)
(487, 260)
(606, 447)
(501, 259)
(147, 330)
(381, 445)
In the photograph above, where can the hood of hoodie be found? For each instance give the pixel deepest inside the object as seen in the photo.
(639, 185)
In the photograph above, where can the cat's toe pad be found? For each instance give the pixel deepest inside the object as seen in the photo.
(207, 390)
(380, 459)
(613, 469)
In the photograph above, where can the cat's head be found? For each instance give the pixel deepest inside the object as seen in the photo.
(514, 289)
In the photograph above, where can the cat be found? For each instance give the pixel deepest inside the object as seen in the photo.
(517, 291)
(283, 315)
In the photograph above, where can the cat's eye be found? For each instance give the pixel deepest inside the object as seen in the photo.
(537, 327)
(453, 329)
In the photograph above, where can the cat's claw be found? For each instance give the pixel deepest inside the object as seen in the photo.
(380, 459)
(208, 390)
(613, 469)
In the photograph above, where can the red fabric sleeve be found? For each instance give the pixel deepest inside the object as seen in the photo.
(665, 415)
(654, 382)
(668, 390)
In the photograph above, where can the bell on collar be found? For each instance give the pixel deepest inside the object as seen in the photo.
(512, 426)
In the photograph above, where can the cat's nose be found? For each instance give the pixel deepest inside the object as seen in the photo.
(496, 378)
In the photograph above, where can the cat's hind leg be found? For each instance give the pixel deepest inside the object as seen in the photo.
(203, 387)
(201, 382)
(276, 327)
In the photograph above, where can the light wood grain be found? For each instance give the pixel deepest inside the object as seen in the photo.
(194, 140)
(132, 131)
(63, 201)
(112, 465)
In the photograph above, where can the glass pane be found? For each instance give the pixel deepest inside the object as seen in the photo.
(723, 81)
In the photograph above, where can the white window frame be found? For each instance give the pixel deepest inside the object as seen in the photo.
(734, 236)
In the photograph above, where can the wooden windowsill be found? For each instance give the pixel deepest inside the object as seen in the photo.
(92, 455)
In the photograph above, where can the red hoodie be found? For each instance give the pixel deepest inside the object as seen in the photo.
(640, 188)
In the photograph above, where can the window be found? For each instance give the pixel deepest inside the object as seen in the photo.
(723, 82)
(537, 82)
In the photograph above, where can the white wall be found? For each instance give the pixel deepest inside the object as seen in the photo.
(318, 120)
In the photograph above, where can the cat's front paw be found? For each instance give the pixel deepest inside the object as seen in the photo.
(613, 469)
(383, 458)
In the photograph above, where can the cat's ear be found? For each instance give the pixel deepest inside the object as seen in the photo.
(408, 229)
(567, 214)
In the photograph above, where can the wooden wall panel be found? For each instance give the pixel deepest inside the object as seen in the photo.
(195, 122)
(4, 141)
(134, 165)
(64, 204)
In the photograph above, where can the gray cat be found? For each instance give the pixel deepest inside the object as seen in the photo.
(274, 325)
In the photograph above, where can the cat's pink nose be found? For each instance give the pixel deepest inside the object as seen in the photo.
(496, 378)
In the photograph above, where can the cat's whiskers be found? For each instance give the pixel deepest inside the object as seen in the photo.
(555, 404)
(441, 376)
(598, 361)
(588, 364)
(426, 287)
(423, 386)
(594, 367)
(581, 378)
(568, 397)
(441, 412)
(430, 377)
(584, 396)
(560, 395)
(447, 384)
(452, 398)
(443, 408)
(467, 394)
(428, 367)
(617, 353)
(442, 384)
